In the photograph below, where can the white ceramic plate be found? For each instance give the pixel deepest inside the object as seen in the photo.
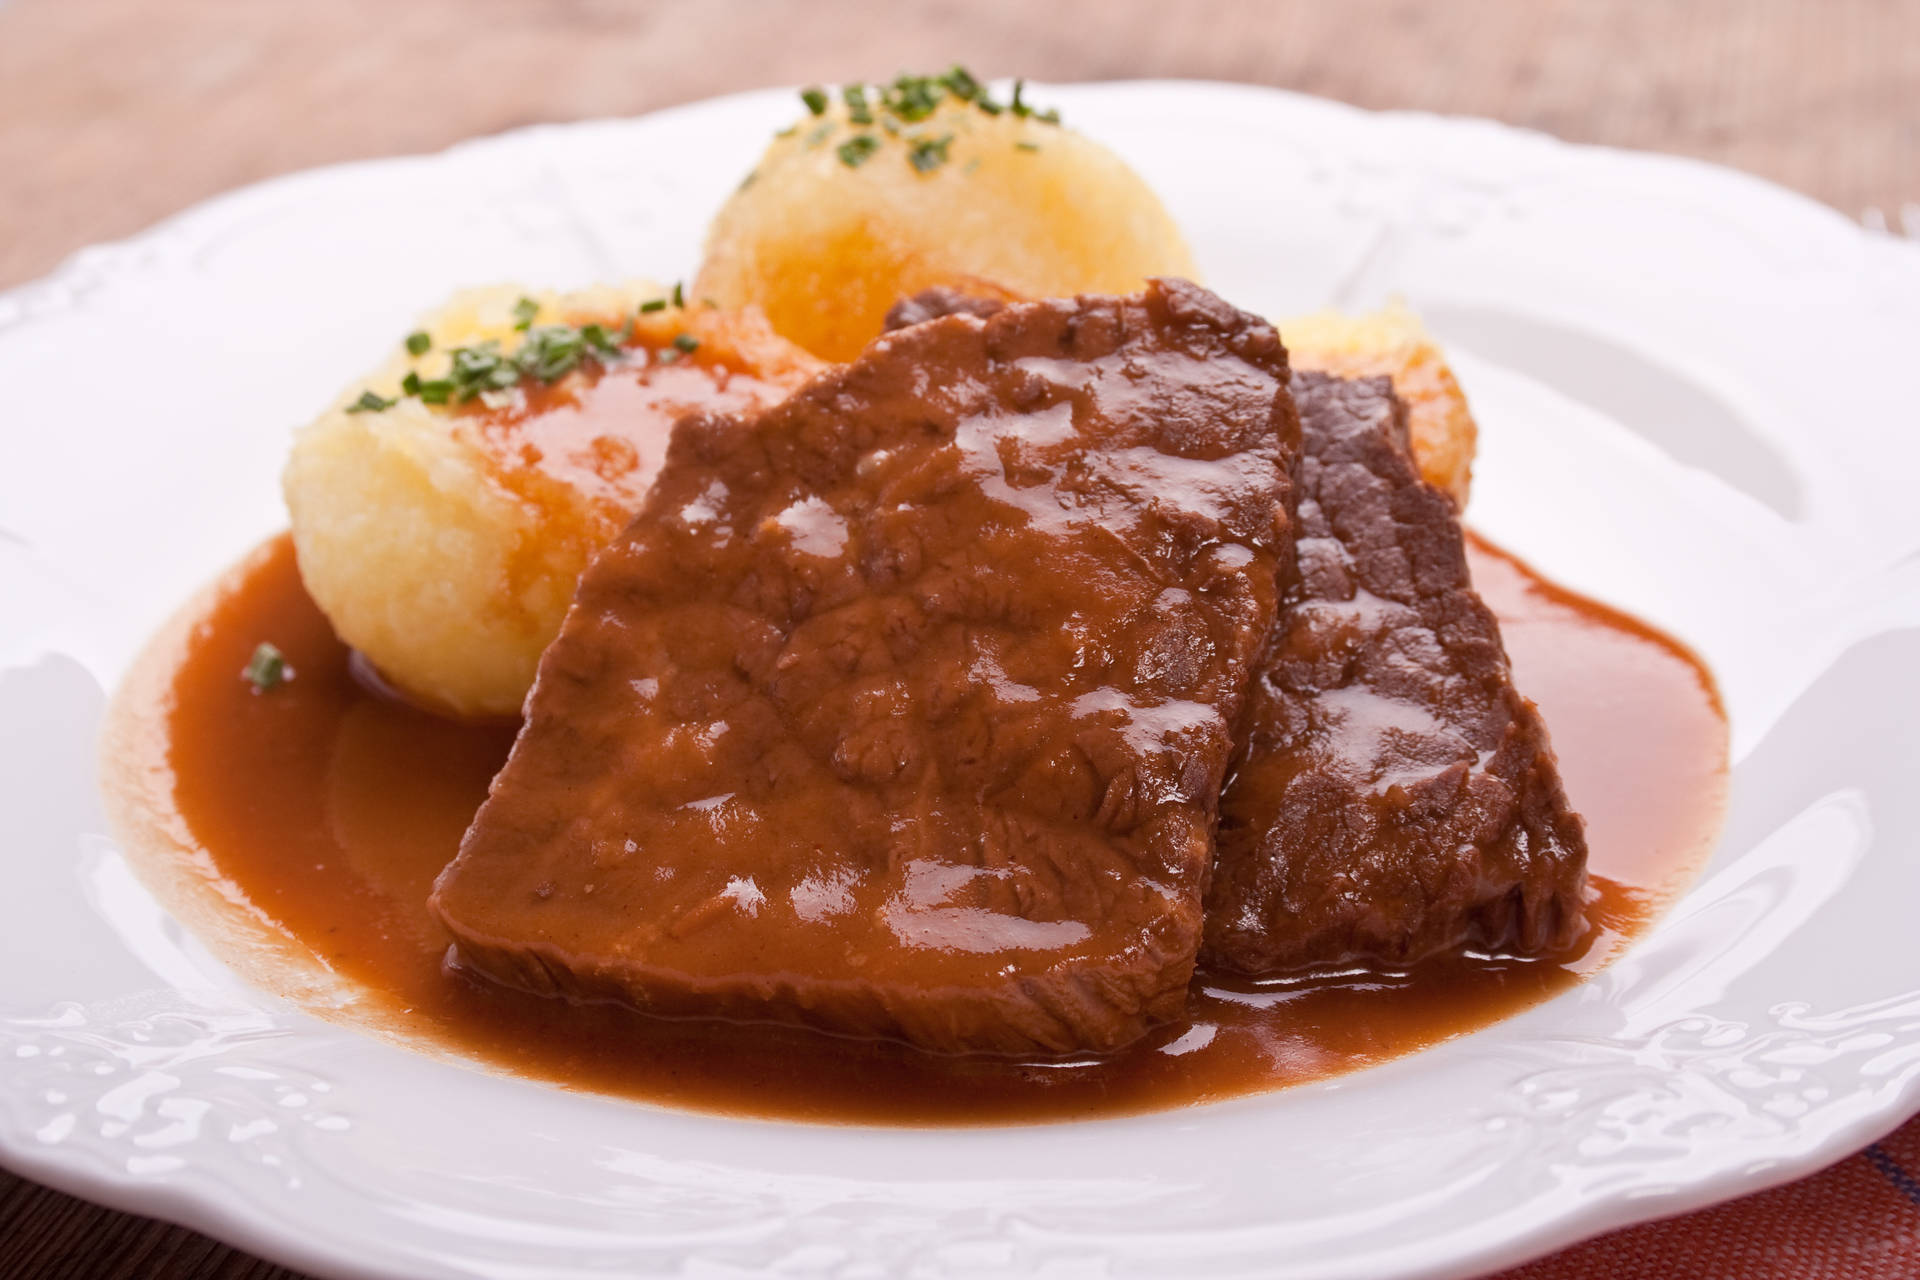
(1696, 396)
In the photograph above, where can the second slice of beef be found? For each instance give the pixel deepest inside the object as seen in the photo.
(903, 708)
(1394, 795)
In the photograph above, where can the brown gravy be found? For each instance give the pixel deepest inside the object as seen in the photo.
(333, 808)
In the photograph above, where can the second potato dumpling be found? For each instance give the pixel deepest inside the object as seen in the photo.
(883, 191)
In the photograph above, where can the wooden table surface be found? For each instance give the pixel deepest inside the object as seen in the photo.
(114, 113)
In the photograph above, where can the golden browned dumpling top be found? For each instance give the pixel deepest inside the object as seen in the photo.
(882, 191)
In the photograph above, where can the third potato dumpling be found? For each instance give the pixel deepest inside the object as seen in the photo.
(882, 191)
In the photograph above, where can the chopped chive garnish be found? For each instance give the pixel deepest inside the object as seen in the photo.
(909, 100)
(679, 297)
(418, 343)
(928, 154)
(1026, 146)
(267, 669)
(484, 372)
(686, 342)
(855, 150)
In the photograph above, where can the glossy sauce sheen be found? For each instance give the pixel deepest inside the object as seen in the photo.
(603, 435)
(333, 808)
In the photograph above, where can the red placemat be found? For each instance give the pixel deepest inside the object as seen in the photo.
(1859, 1220)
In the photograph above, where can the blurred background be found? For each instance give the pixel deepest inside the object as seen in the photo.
(115, 113)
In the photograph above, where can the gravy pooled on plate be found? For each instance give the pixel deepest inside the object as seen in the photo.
(328, 809)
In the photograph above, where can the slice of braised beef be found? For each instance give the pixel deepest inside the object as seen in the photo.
(903, 708)
(1393, 795)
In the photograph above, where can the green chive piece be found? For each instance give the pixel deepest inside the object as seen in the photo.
(525, 312)
(816, 99)
(679, 297)
(1026, 146)
(960, 83)
(855, 96)
(478, 369)
(912, 98)
(1020, 108)
(370, 403)
(550, 352)
(418, 343)
(687, 343)
(439, 391)
(855, 150)
(267, 669)
(928, 154)
(411, 383)
(653, 304)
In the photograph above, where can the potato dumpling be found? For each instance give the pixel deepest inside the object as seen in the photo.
(1392, 341)
(443, 540)
(839, 220)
